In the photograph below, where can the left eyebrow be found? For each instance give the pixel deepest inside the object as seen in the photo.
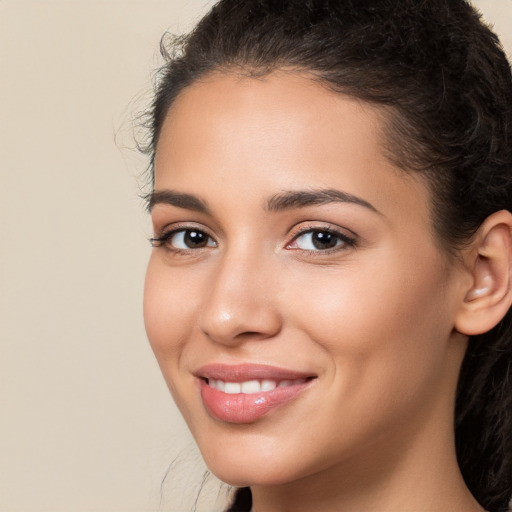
(302, 198)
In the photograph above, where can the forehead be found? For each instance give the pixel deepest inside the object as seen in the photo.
(268, 113)
(244, 135)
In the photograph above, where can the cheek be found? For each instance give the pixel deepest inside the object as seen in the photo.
(384, 325)
(167, 312)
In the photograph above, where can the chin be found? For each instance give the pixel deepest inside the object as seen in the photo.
(259, 462)
(250, 473)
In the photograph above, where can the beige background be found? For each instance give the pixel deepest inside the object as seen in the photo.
(86, 423)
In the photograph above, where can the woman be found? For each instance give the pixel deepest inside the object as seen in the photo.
(329, 288)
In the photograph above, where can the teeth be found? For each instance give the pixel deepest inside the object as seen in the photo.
(268, 385)
(232, 388)
(251, 386)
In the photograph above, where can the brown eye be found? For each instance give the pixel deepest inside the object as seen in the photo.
(321, 240)
(185, 239)
(324, 240)
(192, 239)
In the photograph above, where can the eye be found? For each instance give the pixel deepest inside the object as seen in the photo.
(184, 239)
(321, 240)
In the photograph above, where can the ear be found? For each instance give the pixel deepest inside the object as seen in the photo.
(489, 261)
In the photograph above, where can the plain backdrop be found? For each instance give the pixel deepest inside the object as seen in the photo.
(86, 422)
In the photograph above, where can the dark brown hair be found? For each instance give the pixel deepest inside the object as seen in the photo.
(442, 75)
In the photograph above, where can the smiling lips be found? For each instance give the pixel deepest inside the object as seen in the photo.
(245, 393)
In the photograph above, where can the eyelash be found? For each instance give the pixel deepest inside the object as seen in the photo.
(344, 241)
(164, 238)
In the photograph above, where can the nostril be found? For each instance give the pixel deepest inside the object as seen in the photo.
(250, 334)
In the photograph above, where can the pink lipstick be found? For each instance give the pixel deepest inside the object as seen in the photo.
(245, 393)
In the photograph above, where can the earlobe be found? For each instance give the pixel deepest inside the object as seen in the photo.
(490, 296)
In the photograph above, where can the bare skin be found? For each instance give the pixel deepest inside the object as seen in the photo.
(378, 316)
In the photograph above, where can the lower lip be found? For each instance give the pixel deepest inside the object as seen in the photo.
(247, 408)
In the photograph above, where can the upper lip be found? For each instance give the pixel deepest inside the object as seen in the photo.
(248, 371)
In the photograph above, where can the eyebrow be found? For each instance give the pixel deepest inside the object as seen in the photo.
(187, 201)
(302, 198)
(288, 200)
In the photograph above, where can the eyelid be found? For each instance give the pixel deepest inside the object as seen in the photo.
(164, 234)
(309, 225)
(346, 235)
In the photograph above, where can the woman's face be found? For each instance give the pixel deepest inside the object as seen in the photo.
(296, 300)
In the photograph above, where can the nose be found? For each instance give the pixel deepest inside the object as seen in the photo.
(239, 302)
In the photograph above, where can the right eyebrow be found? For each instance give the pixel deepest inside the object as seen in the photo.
(187, 201)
